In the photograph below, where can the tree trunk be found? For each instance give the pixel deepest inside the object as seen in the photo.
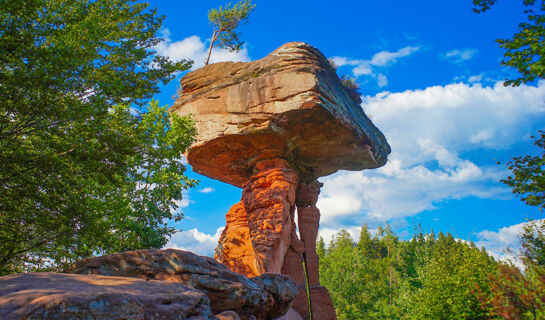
(214, 37)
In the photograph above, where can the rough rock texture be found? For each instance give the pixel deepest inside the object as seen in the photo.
(272, 127)
(309, 221)
(269, 199)
(282, 291)
(288, 105)
(67, 296)
(293, 268)
(322, 306)
(228, 315)
(227, 290)
(235, 249)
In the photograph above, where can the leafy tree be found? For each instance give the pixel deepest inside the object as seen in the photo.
(533, 245)
(83, 167)
(519, 295)
(528, 179)
(428, 277)
(448, 280)
(225, 22)
(515, 295)
(524, 51)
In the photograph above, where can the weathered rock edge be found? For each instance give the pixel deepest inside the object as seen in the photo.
(264, 297)
(290, 105)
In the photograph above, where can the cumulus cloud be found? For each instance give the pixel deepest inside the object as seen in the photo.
(328, 233)
(195, 49)
(195, 241)
(459, 55)
(379, 60)
(431, 132)
(207, 190)
(503, 244)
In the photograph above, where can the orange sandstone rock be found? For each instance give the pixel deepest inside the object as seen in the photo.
(289, 105)
(293, 268)
(269, 126)
(322, 306)
(309, 221)
(235, 249)
(269, 199)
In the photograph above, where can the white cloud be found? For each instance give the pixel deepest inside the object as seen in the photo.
(379, 60)
(183, 203)
(460, 55)
(431, 132)
(382, 81)
(193, 48)
(384, 58)
(503, 244)
(475, 78)
(207, 190)
(195, 241)
(328, 233)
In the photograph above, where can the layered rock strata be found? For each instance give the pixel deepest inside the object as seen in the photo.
(289, 105)
(272, 127)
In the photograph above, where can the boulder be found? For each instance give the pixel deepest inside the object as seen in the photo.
(66, 296)
(282, 290)
(290, 105)
(227, 290)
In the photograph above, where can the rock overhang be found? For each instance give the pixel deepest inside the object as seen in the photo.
(290, 105)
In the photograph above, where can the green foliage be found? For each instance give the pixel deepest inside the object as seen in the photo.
(524, 51)
(225, 21)
(528, 180)
(79, 172)
(533, 244)
(352, 88)
(349, 84)
(515, 295)
(428, 277)
(447, 278)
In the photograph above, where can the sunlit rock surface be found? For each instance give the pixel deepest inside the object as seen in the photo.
(289, 105)
(68, 296)
(227, 290)
(272, 127)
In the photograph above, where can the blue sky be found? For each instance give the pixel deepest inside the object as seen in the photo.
(430, 79)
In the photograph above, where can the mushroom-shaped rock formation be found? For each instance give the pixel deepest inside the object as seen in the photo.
(272, 127)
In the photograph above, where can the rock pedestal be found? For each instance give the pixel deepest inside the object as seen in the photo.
(269, 199)
(272, 127)
(261, 235)
(309, 221)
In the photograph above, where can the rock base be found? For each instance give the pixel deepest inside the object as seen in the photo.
(68, 296)
(260, 235)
